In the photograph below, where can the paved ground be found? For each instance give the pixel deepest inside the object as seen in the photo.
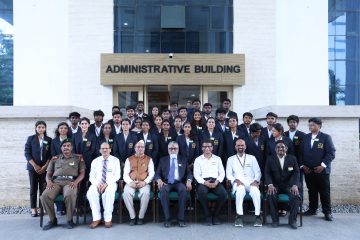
(345, 226)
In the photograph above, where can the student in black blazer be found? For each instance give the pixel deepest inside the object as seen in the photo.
(37, 154)
(214, 136)
(107, 136)
(221, 123)
(115, 122)
(282, 175)
(318, 151)
(245, 126)
(164, 138)
(156, 127)
(124, 142)
(198, 125)
(177, 129)
(226, 104)
(188, 144)
(151, 142)
(230, 137)
(271, 119)
(74, 128)
(96, 127)
(278, 134)
(173, 174)
(255, 145)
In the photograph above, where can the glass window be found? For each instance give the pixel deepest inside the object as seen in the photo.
(197, 18)
(173, 42)
(127, 99)
(221, 18)
(125, 18)
(148, 42)
(215, 98)
(197, 42)
(148, 18)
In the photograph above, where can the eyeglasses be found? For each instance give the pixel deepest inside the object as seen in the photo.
(104, 148)
(173, 148)
(207, 146)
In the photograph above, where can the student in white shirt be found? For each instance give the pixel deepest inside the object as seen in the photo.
(209, 173)
(244, 173)
(105, 172)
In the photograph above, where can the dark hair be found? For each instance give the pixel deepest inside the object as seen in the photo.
(271, 114)
(57, 133)
(207, 105)
(166, 110)
(158, 116)
(130, 107)
(40, 122)
(281, 141)
(137, 118)
(181, 108)
(316, 121)
(115, 107)
(220, 110)
(278, 127)
(292, 118)
(226, 100)
(140, 102)
(247, 114)
(206, 141)
(233, 117)
(174, 103)
(145, 120)
(177, 116)
(164, 121)
(99, 113)
(201, 121)
(117, 113)
(196, 100)
(75, 114)
(255, 127)
(210, 118)
(126, 120)
(103, 127)
(85, 119)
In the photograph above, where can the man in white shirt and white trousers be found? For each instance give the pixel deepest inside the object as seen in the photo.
(244, 173)
(105, 172)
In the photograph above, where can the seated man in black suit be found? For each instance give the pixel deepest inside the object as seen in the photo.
(282, 176)
(173, 174)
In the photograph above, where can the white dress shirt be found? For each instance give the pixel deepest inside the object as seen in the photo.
(291, 135)
(117, 129)
(113, 170)
(245, 168)
(208, 168)
(127, 169)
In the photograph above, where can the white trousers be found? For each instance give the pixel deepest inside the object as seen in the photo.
(144, 195)
(108, 198)
(240, 192)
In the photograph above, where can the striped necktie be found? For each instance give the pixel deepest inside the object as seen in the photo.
(104, 171)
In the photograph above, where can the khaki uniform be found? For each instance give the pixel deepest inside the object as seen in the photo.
(62, 166)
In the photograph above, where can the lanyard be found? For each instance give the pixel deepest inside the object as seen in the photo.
(242, 165)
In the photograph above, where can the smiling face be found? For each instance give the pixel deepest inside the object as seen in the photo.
(197, 116)
(207, 148)
(210, 124)
(107, 129)
(84, 126)
(187, 128)
(125, 126)
(63, 130)
(66, 148)
(240, 146)
(105, 150)
(40, 129)
(280, 149)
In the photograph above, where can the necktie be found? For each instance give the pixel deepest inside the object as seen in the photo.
(171, 178)
(104, 170)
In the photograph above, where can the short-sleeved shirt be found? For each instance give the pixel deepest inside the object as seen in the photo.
(66, 166)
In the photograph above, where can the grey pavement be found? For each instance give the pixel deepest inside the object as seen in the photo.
(345, 226)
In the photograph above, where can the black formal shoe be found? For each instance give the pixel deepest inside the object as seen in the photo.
(275, 224)
(309, 213)
(216, 221)
(209, 221)
(182, 224)
(140, 221)
(132, 222)
(50, 224)
(293, 225)
(34, 215)
(69, 224)
(167, 224)
(329, 217)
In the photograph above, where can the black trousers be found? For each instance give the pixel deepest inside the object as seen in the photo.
(294, 202)
(319, 184)
(219, 191)
(164, 198)
(37, 182)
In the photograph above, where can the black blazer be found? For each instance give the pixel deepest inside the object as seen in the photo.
(264, 133)
(270, 146)
(123, 149)
(189, 152)
(229, 144)
(55, 146)
(232, 114)
(323, 150)
(85, 148)
(162, 171)
(174, 133)
(219, 128)
(217, 141)
(282, 178)
(151, 146)
(163, 144)
(70, 134)
(298, 138)
(92, 129)
(242, 128)
(34, 152)
(101, 139)
(257, 150)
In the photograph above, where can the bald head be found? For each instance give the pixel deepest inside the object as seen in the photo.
(240, 146)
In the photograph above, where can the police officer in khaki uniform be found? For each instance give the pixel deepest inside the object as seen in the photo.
(64, 173)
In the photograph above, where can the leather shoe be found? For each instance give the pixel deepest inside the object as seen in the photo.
(208, 221)
(182, 224)
(293, 225)
(132, 222)
(216, 221)
(167, 224)
(94, 224)
(69, 224)
(140, 221)
(275, 224)
(108, 224)
(309, 213)
(50, 224)
(329, 217)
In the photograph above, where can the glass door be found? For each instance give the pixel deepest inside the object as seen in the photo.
(125, 96)
(215, 95)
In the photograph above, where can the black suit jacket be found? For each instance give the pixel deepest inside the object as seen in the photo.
(323, 150)
(270, 146)
(219, 128)
(163, 144)
(92, 129)
(232, 114)
(189, 152)
(264, 133)
(242, 128)
(257, 150)
(85, 148)
(229, 144)
(123, 149)
(217, 141)
(162, 171)
(34, 151)
(71, 134)
(151, 146)
(298, 138)
(101, 139)
(55, 146)
(282, 178)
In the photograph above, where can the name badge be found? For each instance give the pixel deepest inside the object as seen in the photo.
(226, 127)
(72, 164)
(236, 136)
(149, 141)
(110, 140)
(290, 169)
(213, 163)
(45, 142)
(169, 138)
(248, 165)
(296, 137)
(109, 170)
(84, 139)
(179, 164)
(212, 138)
(316, 139)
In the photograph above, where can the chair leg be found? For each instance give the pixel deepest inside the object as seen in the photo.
(153, 209)
(195, 209)
(157, 210)
(301, 214)
(41, 213)
(229, 208)
(265, 211)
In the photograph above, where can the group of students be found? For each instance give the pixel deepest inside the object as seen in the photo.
(191, 129)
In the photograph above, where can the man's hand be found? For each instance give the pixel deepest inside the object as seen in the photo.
(207, 183)
(103, 187)
(49, 184)
(271, 189)
(54, 158)
(294, 190)
(133, 185)
(318, 169)
(255, 184)
(238, 182)
(37, 168)
(160, 183)
(306, 170)
(73, 185)
(188, 185)
(42, 169)
(141, 184)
